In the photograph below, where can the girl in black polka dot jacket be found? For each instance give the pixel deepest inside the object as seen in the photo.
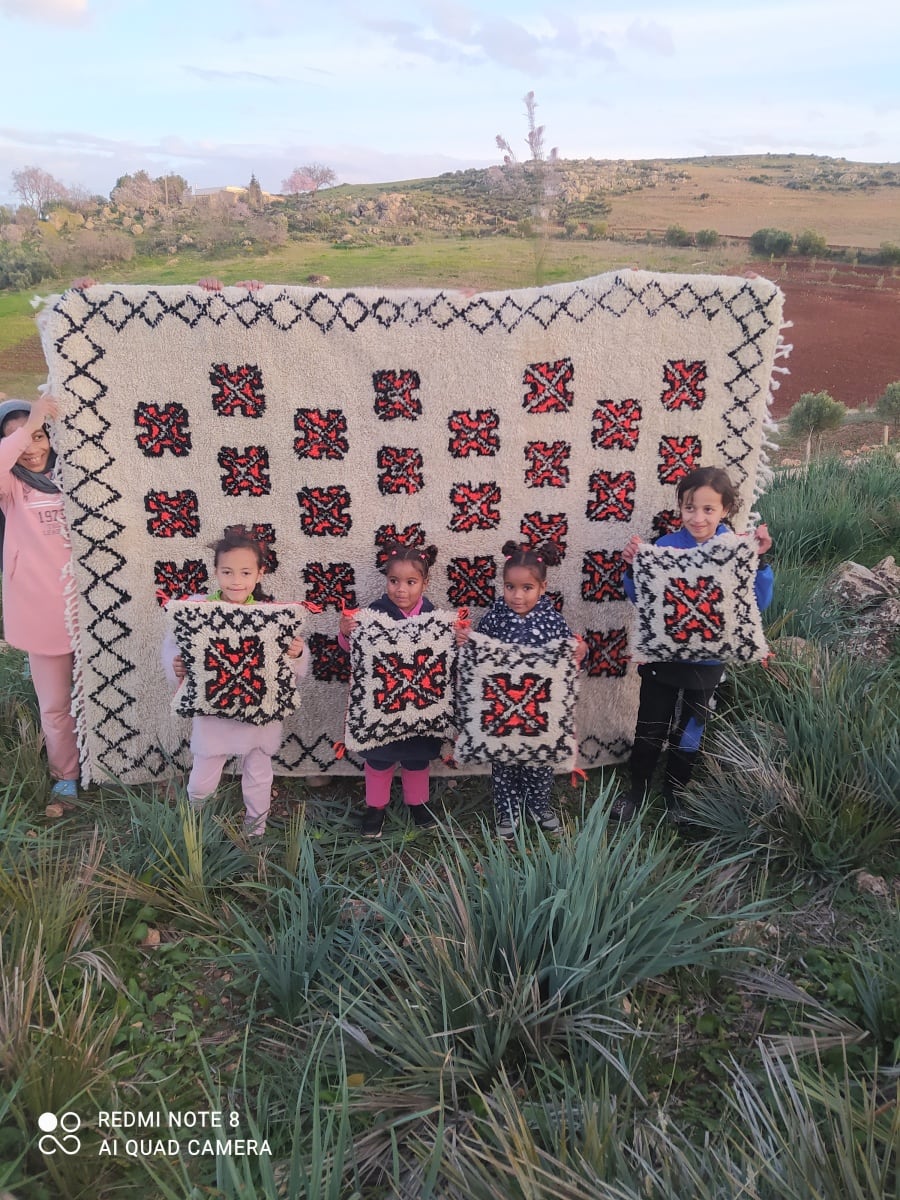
(526, 616)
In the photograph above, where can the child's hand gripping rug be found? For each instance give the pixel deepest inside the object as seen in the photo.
(234, 655)
(333, 421)
(401, 678)
(698, 603)
(516, 704)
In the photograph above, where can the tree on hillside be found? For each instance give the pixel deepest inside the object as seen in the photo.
(135, 191)
(171, 188)
(308, 178)
(771, 241)
(813, 414)
(254, 194)
(811, 244)
(37, 188)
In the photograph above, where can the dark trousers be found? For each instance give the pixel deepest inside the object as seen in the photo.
(518, 787)
(674, 715)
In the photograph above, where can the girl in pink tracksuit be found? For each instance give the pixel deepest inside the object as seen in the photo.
(36, 550)
(240, 563)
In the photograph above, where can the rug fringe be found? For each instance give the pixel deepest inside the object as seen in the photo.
(765, 473)
(79, 708)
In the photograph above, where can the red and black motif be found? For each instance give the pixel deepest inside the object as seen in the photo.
(548, 386)
(330, 662)
(602, 575)
(667, 520)
(400, 470)
(400, 684)
(548, 464)
(477, 506)
(514, 705)
(617, 425)
(330, 585)
(323, 511)
(683, 384)
(161, 428)
(178, 581)
(471, 581)
(245, 472)
(613, 496)
(690, 608)
(397, 395)
(321, 433)
(236, 672)
(607, 652)
(537, 528)
(409, 535)
(678, 457)
(175, 514)
(237, 390)
(557, 599)
(474, 432)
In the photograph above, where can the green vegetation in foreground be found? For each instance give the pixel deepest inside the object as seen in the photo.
(607, 1015)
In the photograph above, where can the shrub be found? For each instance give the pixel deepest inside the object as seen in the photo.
(22, 266)
(889, 254)
(811, 244)
(888, 404)
(706, 237)
(814, 414)
(676, 235)
(771, 241)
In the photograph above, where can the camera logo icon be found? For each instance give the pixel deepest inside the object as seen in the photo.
(68, 1124)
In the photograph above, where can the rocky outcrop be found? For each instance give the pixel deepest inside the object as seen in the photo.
(871, 601)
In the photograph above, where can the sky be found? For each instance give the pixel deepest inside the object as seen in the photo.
(216, 90)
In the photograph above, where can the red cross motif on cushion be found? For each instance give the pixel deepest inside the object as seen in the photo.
(607, 652)
(330, 662)
(677, 457)
(548, 387)
(401, 684)
(409, 535)
(400, 470)
(613, 496)
(236, 672)
(323, 511)
(470, 581)
(617, 425)
(162, 427)
(513, 706)
(602, 574)
(172, 514)
(557, 599)
(473, 432)
(667, 520)
(237, 390)
(476, 506)
(177, 581)
(690, 608)
(548, 466)
(537, 529)
(397, 395)
(683, 382)
(330, 585)
(245, 472)
(321, 433)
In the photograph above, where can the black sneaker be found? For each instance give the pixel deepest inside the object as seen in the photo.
(547, 819)
(422, 816)
(623, 808)
(372, 823)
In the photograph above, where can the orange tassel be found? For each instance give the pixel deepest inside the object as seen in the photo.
(577, 774)
(311, 606)
(339, 749)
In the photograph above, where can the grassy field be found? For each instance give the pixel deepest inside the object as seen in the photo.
(607, 1015)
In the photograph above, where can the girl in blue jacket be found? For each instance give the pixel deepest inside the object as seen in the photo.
(677, 697)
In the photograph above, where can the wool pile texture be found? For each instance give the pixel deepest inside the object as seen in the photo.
(698, 603)
(401, 678)
(334, 421)
(516, 704)
(235, 660)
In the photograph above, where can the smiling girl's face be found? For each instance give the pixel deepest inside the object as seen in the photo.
(237, 574)
(36, 455)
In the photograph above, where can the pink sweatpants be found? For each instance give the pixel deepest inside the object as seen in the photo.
(378, 786)
(51, 675)
(256, 784)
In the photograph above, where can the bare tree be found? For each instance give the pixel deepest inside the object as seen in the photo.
(136, 191)
(308, 178)
(534, 180)
(37, 188)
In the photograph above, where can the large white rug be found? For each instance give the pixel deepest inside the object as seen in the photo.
(334, 420)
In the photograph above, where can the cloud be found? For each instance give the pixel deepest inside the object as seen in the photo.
(650, 35)
(213, 76)
(51, 12)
